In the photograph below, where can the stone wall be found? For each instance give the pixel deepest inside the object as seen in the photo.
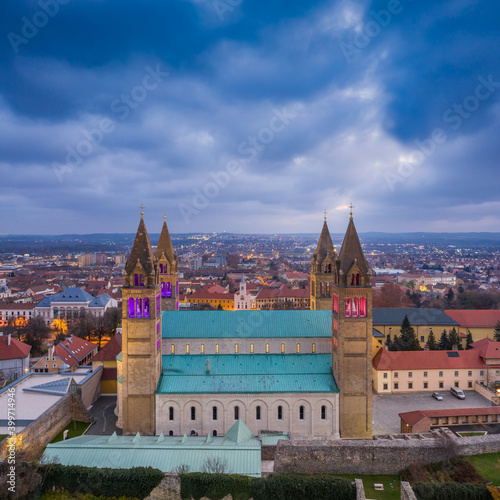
(407, 491)
(39, 433)
(374, 456)
(89, 388)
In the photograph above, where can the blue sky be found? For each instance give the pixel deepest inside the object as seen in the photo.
(246, 116)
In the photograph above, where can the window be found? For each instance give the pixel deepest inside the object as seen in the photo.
(257, 413)
(441, 385)
(193, 413)
(214, 413)
(396, 386)
(469, 373)
(362, 307)
(481, 373)
(440, 374)
(395, 374)
(171, 413)
(236, 348)
(422, 338)
(323, 412)
(385, 375)
(170, 433)
(385, 387)
(280, 412)
(202, 348)
(469, 384)
(425, 374)
(172, 349)
(187, 348)
(347, 311)
(236, 412)
(131, 308)
(456, 384)
(282, 348)
(298, 348)
(426, 385)
(301, 412)
(214, 433)
(410, 385)
(216, 348)
(267, 348)
(314, 347)
(410, 374)
(251, 348)
(456, 374)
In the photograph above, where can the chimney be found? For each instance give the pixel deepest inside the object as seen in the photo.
(8, 342)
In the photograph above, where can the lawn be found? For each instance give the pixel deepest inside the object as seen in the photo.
(80, 429)
(368, 481)
(470, 434)
(488, 465)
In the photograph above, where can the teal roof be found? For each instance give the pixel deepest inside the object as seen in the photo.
(272, 438)
(246, 324)
(246, 373)
(239, 448)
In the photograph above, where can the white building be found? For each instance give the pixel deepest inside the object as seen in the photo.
(244, 301)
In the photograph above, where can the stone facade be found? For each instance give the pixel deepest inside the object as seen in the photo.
(312, 425)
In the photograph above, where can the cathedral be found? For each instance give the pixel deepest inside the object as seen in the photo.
(305, 373)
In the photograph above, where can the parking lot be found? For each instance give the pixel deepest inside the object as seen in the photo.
(386, 407)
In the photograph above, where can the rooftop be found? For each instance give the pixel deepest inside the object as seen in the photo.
(416, 316)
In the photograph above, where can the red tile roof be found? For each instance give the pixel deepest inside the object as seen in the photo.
(489, 350)
(15, 350)
(76, 347)
(474, 318)
(112, 348)
(426, 360)
(412, 417)
(203, 294)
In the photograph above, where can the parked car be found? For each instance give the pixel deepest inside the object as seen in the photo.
(458, 393)
(437, 396)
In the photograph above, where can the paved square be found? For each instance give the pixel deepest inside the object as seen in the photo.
(386, 407)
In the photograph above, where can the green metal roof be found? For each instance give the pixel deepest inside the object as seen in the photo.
(417, 316)
(272, 438)
(246, 324)
(239, 448)
(246, 373)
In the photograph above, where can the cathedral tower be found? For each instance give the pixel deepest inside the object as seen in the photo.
(168, 265)
(322, 271)
(352, 338)
(141, 344)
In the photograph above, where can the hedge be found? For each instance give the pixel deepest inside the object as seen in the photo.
(451, 491)
(274, 487)
(136, 482)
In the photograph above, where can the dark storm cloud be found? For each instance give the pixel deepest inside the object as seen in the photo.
(318, 103)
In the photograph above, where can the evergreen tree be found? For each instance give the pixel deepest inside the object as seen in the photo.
(449, 297)
(496, 334)
(443, 341)
(431, 342)
(408, 339)
(469, 340)
(388, 342)
(454, 339)
(395, 345)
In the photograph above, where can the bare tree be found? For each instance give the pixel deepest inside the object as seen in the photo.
(215, 465)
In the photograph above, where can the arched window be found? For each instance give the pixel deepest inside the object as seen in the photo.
(236, 412)
(251, 348)
(214, 412)
(173, 349)
(362, 307)
(214, 433)
(323, 412)
(202, 348)
(136, 280)
(138, 305)
(322, 289)
(171, 413)
(193, 413)
(169, 289)
(267, 348)
(348, 307)
(355, 307)
(131, 308)
(301, 412)
(216, 348)
(236, 348)
(141, 280)
(170, 433)
(146, 308)
(357, 279)
(282, 348)
(187, 348)
(280, 412)
(298, 348)
(257, 413)
(328, 289)
(193, 432)
(163, 289)
(314, 347)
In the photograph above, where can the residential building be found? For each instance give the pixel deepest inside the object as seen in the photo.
(14, 357)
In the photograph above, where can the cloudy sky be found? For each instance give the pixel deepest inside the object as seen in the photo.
(249, 116)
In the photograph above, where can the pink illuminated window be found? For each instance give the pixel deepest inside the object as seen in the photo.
(348, 308)
(355, 307)
(335, 327)
(335, 303)
(131, 308)
(362, 307)
(146, 308)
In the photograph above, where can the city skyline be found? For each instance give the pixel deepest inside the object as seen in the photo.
(238, 118)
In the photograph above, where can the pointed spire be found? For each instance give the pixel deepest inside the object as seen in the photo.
(209, 438)
(161, 438)
(239, 432)
(165, 244)
(141, 251)
(352, 251)
(325, 243)
(113, 437)
(184, 438)
(137, 438)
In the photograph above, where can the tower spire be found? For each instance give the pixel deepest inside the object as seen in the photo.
(141, 251)
(351, 250)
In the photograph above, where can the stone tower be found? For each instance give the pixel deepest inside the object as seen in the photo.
(141, 341)
(322, 271)
(168, 266)
(352, 338)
